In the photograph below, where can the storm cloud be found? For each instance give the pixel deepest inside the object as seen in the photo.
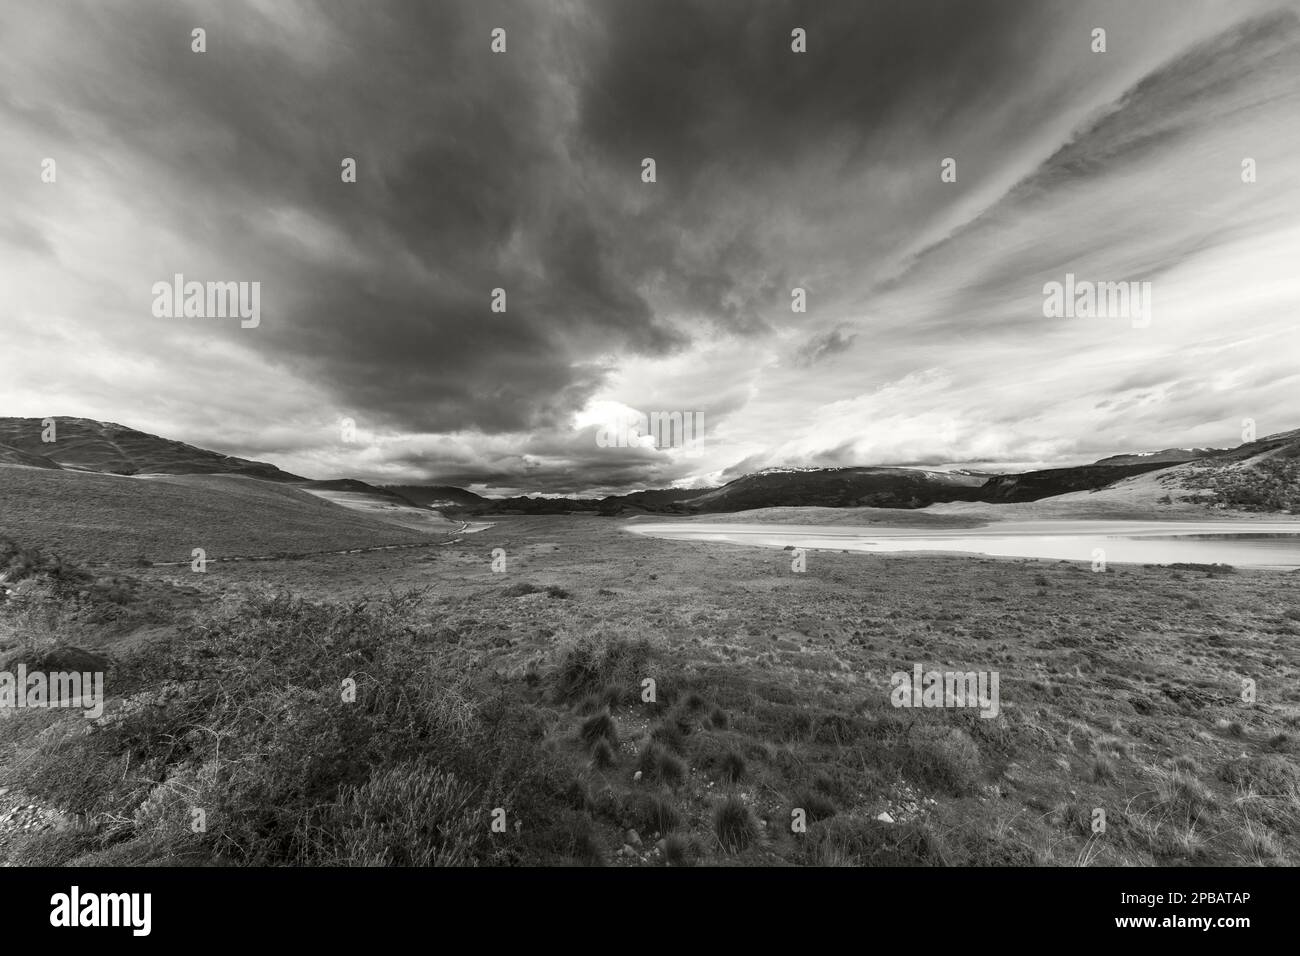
(924, 338)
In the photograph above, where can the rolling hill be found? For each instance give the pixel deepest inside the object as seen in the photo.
(438, 496)
(382, 503)
(106, 518)
(837, 488)
(105, 492)
(87, 445)
(1258, 476)
(1262, 476)
(1036, 485)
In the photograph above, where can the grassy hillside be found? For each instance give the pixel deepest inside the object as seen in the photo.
(438, 496)
(1268, 482)
(1037, 485)
(381, 504)
(837, 488)
(115, 449)
(1259, 478)
(115, 519)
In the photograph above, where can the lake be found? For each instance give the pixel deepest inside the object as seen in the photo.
(1257, 544)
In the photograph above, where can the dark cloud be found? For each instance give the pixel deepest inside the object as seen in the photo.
(521, 171)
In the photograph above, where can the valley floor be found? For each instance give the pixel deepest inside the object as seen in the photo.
(1121, 699)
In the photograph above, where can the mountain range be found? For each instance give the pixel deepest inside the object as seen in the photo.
(1237, 475)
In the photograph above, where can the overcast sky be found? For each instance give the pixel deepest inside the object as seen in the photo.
(924, 341)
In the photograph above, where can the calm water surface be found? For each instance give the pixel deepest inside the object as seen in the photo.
(1260, 544)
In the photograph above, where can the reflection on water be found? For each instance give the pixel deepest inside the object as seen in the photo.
(1260, 544)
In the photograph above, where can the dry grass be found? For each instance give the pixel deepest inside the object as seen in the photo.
(770, 689)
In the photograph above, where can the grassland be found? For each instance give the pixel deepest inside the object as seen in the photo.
(114, 520)
(521, 690)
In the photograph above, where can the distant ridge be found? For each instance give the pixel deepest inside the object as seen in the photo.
(1172, 456)
(1260, 475)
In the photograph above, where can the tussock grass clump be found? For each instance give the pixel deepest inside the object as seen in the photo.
(668, 733)
(669, 769)
(613, 695)
(680, 849)
(1260, 845)
(603, 756)
(1103, 769)
(594, 662)
(401, 774)
(599, 726)
(18, 564)
(855, 841)
(1188, 763)
(1180, 791)
(1268, 775)
(968, 845)
(660, 764)
(816, 805)
(838, 729)
(647, 755)
(694, 703)
(653, 812)
(1110, 746)
(732, 766)
(577, 794)
(411, 814)
(941, 758)
(734, 825)
(519, 589)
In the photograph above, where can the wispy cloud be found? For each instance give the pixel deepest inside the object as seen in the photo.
(924, 339)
